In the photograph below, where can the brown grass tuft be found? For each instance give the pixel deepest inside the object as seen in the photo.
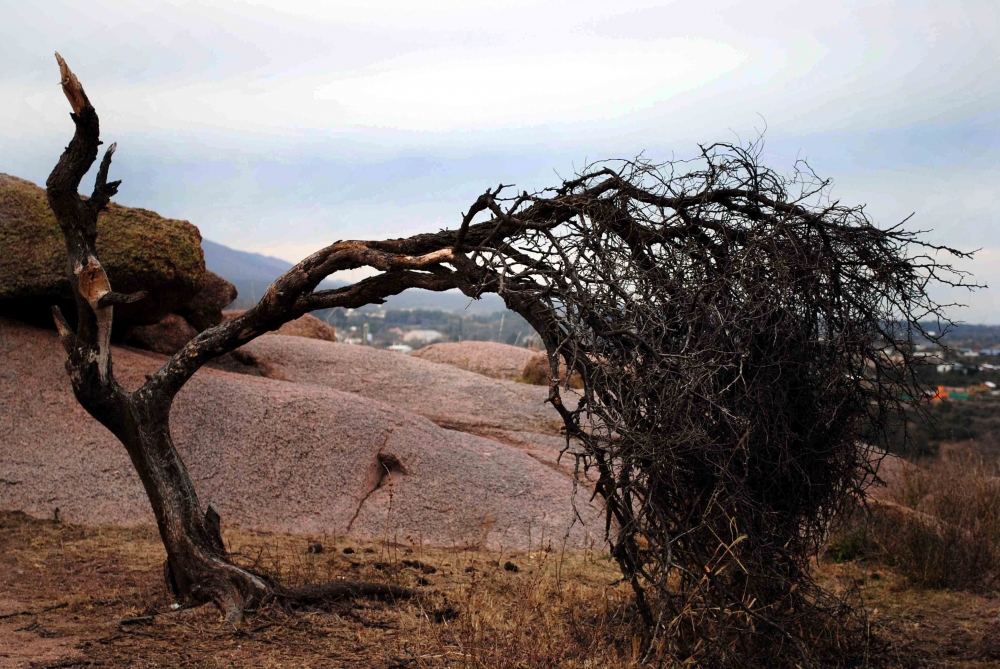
(537, 372)
(937, 525)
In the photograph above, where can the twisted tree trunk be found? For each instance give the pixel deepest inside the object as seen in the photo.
(198, 569)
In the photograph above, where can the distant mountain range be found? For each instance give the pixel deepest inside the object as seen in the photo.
(252, 273)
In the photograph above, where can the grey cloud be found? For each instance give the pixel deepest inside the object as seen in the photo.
(215, 109)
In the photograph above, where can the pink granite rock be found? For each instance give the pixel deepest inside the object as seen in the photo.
(449, 396)
(282, 456)
(307, 326)
(499, 361)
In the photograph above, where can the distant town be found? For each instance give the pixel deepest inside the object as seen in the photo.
(407, 330)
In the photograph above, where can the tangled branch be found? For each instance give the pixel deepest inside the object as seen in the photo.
(738, 335)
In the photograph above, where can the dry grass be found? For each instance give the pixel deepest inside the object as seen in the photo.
(919, 627)
(542, 608)
(939, 525)
(93, 597)
(481, 609)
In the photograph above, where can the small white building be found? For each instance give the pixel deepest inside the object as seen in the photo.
(951, 367)
(422, 336)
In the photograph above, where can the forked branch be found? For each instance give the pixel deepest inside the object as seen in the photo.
(198, 569)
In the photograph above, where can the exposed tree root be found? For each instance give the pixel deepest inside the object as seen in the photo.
(237, 591)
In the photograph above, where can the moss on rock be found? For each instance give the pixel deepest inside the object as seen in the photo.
(140, 250)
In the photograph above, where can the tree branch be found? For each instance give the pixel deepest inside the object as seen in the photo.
(104, 191)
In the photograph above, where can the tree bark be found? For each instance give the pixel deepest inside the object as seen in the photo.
(198, 569)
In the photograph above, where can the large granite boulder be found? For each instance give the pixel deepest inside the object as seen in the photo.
(489, 358)
(285, 456)
(451, 397)
(167, 337)
(140, 250)
(204, 310)
(175, 330)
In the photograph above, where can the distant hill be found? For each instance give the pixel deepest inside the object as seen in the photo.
(252, 273)
(236, 265)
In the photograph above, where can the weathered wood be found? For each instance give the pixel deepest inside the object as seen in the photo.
(198, 569)
(729, 334)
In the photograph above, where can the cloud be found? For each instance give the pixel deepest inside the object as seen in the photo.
(286, 124)
(504, 87)
(593, 68)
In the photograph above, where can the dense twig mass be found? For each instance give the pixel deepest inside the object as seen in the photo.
(737, 335)
(730, 325)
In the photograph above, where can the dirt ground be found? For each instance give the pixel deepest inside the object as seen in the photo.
(73, 596)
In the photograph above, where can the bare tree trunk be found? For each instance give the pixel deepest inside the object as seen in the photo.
(198, 569)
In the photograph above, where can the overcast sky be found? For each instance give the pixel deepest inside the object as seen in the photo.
(281, 126)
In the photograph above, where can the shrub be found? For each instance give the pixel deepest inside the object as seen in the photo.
(731, 328)
(538, 372)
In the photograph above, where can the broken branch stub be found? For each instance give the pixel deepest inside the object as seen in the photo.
(93, 286)
(197, 569)
(71, 87)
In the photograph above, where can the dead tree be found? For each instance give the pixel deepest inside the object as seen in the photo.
(730, 326)
(198, 569)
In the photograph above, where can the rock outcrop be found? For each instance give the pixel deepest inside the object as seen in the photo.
(280, 456)
(204, 310)
(166, 337)
(173, 331)
(307, 326)
(449, 396)
(140, 250)
(499, 361)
